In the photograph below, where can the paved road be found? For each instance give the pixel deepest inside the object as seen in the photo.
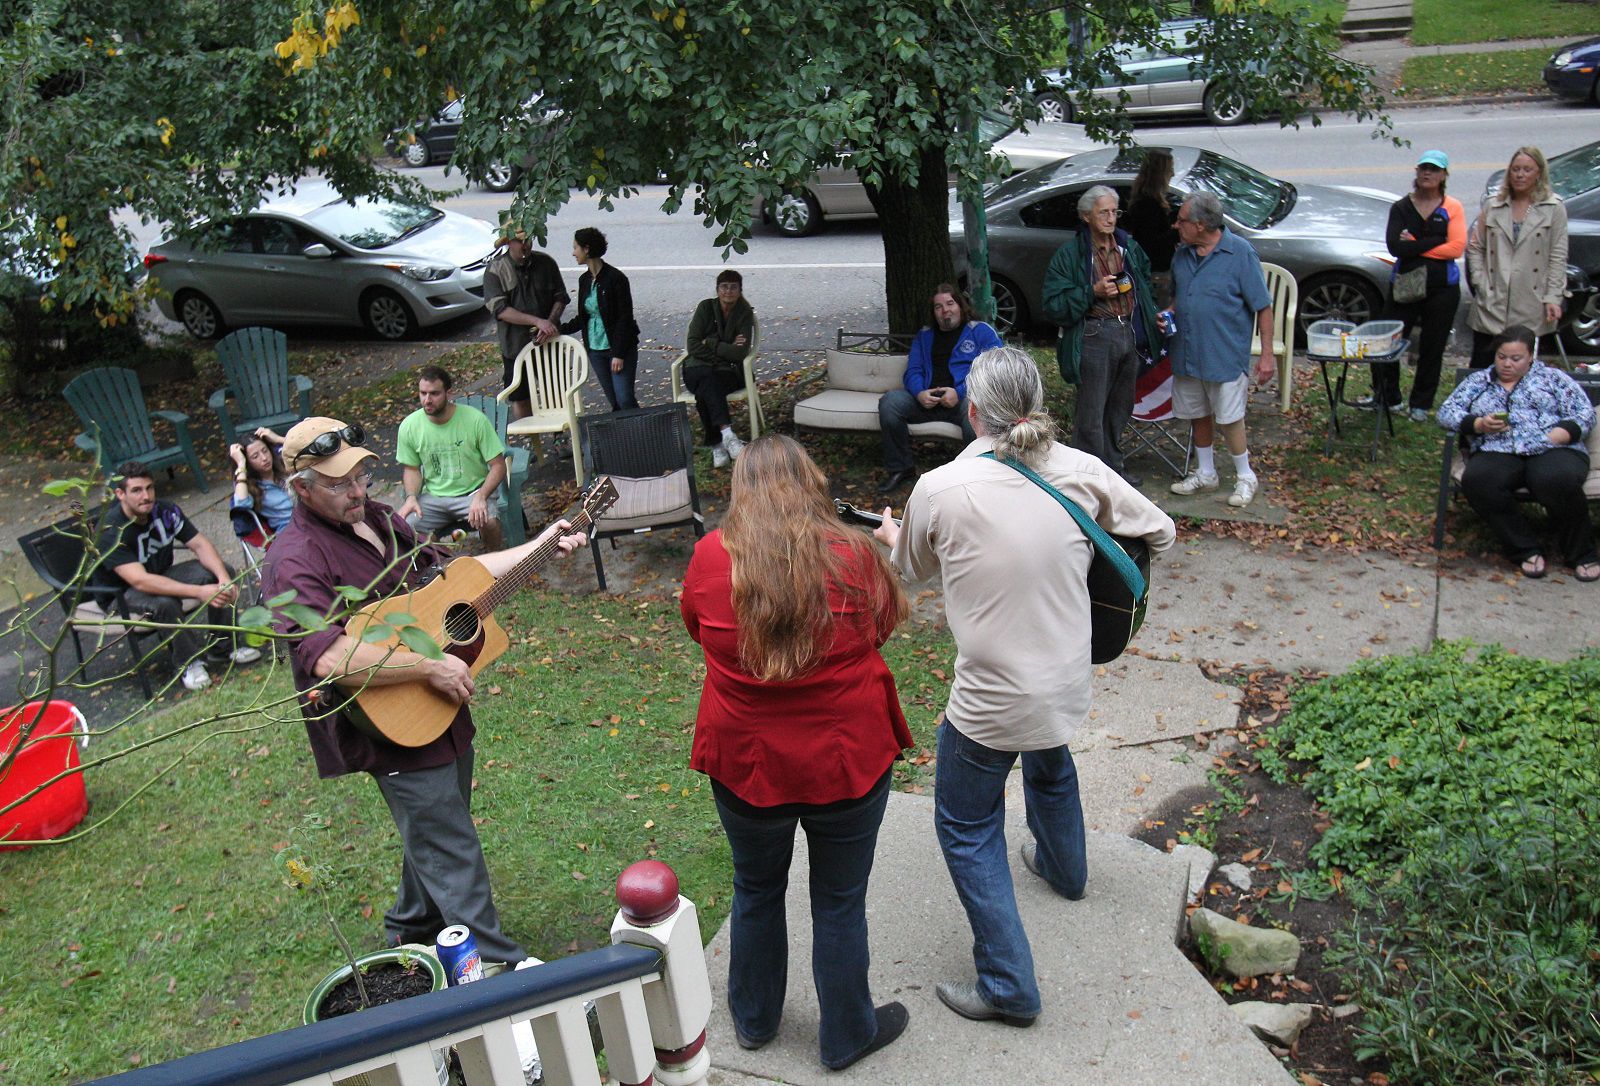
(804, 288)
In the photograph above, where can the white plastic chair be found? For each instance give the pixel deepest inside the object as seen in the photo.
(749, 393)
(1285, 304)
(554, 374)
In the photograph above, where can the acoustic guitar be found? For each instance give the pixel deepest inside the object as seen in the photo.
(456, 610)
(1115, 612)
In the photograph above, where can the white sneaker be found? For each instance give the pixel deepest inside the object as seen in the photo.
(720, 457)
(196, 677)
(1194, 483)
(245, 654)
(733, 446)
(1243, 491)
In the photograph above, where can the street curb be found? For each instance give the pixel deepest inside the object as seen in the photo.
(1471, 100)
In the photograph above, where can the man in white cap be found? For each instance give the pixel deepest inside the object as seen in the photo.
(338, 536)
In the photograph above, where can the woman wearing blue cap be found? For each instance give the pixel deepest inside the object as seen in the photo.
(1427, 232)
(1517, 259)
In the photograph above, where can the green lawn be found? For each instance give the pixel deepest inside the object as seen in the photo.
(1445, 22)
(1472, 73)
(169, 930)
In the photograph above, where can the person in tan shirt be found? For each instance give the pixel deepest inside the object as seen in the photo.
(1015, 567)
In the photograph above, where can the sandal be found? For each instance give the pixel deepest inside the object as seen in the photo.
(1533, 566)
(1587, 572)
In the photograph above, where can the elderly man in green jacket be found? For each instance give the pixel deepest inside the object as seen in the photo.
(1097, 290)
(721, 334)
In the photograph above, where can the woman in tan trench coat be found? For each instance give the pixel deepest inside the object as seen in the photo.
(1517, 256)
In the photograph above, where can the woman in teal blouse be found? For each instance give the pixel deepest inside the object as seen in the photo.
(605, 320)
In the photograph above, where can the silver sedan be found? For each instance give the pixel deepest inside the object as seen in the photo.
(1331, 239)
(310, 257)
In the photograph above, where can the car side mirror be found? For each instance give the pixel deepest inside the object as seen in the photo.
(317, 251)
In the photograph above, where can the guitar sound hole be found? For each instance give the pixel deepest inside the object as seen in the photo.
(461, 624)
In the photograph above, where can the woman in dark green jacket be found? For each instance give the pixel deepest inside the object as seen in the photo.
(721, 334)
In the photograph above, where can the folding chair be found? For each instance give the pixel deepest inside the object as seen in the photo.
(649, 455)
(1153, 421)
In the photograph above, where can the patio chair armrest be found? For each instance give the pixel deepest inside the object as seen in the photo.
(516, 470)
(218, 400)
(177, 418)
(677, 375)
(83, 441)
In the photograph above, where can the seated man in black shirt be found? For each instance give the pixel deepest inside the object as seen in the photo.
(935, 382)
(136, 539)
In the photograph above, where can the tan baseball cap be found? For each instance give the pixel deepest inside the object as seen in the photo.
(333, 463)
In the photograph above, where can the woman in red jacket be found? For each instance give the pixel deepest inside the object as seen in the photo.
(799, 723)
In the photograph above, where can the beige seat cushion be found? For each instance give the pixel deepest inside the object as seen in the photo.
(839, 409)
(647, 502)
(866, 371)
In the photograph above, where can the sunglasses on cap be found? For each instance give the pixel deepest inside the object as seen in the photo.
(327, 444)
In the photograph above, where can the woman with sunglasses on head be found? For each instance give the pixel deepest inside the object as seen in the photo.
(1517, 257)
(605, 320)
(799, 724)
(1427, 231)
(1524, 424)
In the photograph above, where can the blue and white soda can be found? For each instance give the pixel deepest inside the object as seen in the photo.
(458, 951)
(1167, 322)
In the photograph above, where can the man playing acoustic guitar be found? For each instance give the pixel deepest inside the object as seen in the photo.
(338, 536)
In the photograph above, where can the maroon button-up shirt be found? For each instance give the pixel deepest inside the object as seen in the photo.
(314, 556)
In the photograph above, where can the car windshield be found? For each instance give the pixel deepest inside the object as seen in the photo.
(372, 224)
(1250, 197)
(1576, 172)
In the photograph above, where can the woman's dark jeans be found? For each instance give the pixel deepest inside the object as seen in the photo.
(1436, 313)
(618, 387)
(841, 839)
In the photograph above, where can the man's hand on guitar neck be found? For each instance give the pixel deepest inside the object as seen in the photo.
(567, 541)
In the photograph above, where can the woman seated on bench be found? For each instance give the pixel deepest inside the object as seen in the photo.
(1524, 424)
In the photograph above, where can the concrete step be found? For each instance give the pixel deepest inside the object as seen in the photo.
(1391, 32)
(1121, 1002)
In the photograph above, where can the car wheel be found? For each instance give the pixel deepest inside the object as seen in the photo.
(501, 177)
(1582, 334)
(1223, 107)
(1336, 297)
(386, 314)
(1010, 311)
(415, 154)
(796, 214)
(1054, 107)
(199, 315)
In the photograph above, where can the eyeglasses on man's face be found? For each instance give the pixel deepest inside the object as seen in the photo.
(327, 444)
(362, 479)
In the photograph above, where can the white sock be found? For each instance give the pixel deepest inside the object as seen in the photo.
(1241, 466)
(1203, 463)
(727, 432)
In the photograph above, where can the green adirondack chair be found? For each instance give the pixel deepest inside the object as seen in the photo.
(117, 426)
(255, 362)
(511, 523)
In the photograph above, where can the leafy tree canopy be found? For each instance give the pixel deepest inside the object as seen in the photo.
(183, 108)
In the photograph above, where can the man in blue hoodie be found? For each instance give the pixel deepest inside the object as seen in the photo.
(1097, 290)
(935, 382)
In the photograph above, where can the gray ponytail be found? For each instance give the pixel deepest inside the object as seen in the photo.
(1007, 393)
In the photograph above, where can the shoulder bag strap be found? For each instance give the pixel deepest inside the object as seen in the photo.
(1097, 535)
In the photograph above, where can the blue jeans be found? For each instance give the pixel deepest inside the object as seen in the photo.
(897, 410)
(969, 815)
(841, 843)
(618, 387)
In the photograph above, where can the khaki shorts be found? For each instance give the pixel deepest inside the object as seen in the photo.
(1223, 401)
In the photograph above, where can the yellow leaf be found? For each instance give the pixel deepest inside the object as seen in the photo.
(650, 824)
(1365, 763)
(612, 732)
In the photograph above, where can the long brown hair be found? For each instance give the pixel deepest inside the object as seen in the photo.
(788, 549)
(1155, 174)
(252, 481)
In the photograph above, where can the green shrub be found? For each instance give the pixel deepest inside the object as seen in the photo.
(1462, 785)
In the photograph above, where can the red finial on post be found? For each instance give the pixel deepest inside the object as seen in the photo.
(647, 892)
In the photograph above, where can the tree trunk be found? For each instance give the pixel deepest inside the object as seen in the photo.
(915, 222)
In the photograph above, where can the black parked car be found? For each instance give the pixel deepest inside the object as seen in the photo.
(434, 140)
(1573, 71)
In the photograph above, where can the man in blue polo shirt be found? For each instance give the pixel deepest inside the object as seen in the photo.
(1221, 296)
(935, 381)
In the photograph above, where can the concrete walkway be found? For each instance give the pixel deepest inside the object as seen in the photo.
(1386, 56)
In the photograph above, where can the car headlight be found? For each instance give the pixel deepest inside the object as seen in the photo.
(424, 273)
(1562, 59)
(1381, 257)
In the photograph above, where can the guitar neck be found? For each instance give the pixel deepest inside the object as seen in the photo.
(517, 577)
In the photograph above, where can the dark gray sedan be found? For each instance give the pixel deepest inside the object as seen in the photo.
(1330, 238)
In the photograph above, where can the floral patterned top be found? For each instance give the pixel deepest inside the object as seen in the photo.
(1544, 399)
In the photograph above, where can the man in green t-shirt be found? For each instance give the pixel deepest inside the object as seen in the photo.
(453, 463)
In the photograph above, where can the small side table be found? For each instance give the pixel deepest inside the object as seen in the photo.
(1381, 415)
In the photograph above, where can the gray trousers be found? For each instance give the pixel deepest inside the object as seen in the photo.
(1108, 367)
(443, 879)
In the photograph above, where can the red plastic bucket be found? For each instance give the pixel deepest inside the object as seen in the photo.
(58, 808)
